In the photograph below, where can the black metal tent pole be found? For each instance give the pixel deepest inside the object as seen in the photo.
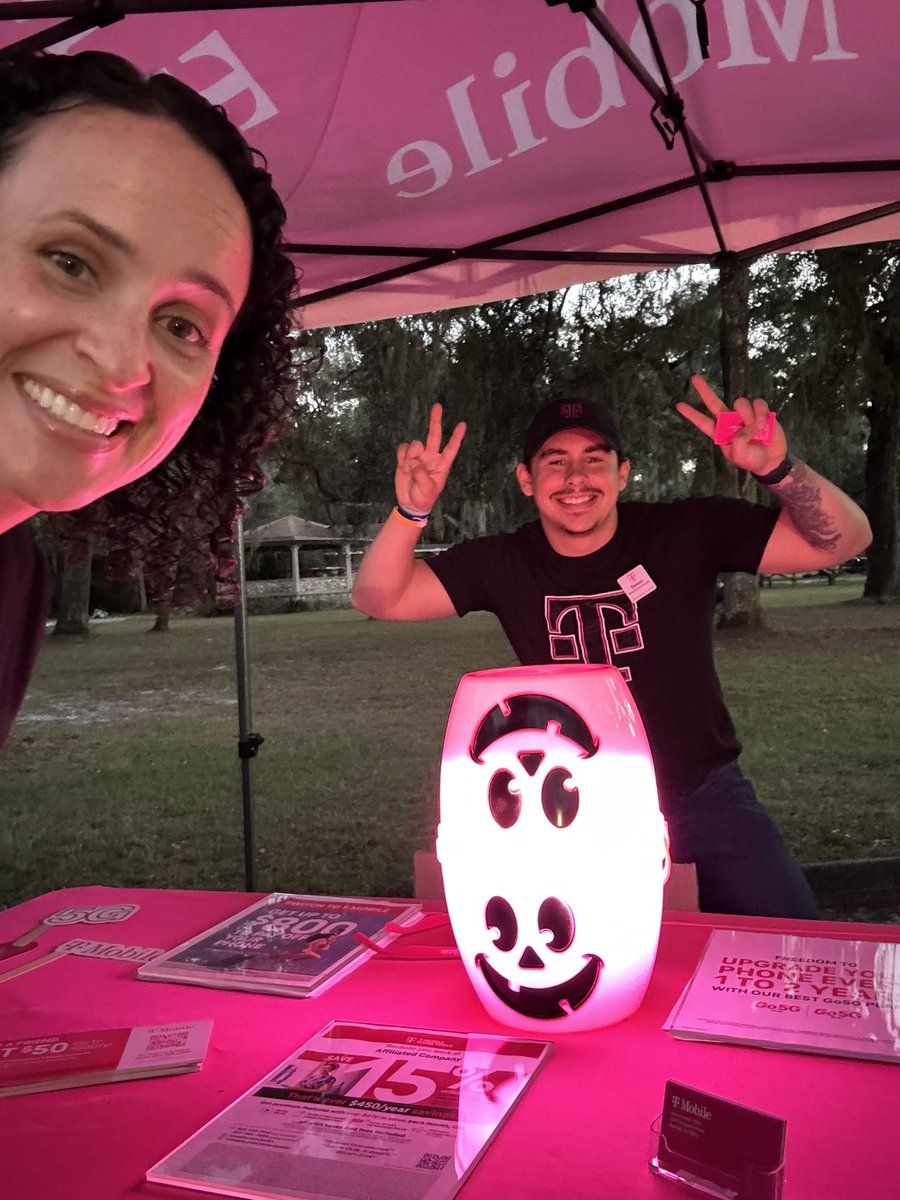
(104, 10)
(248, 742)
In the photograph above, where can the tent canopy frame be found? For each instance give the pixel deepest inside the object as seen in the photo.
(668, 114)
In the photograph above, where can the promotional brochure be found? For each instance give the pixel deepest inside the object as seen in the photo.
(64, 1060)
(787, 992)
(361, 1112)
(286, 944)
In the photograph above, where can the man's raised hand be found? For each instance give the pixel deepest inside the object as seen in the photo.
(741, 450)
(422, 469)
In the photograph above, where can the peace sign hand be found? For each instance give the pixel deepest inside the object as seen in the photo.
(744, 453)
(422, 470)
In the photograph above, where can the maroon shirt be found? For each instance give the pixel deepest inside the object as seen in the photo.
(24, 604)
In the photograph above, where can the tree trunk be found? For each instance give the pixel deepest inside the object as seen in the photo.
(73, 606)
(883, 577)
(163, 612)
(142, 591)
(741, 608)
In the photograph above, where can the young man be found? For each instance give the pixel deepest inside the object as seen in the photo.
(633, 585)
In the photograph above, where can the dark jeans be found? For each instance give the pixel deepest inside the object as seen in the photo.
(743, 866)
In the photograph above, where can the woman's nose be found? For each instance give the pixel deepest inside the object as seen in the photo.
(117, 342)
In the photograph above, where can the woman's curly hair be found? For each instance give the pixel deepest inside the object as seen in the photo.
(176, 523)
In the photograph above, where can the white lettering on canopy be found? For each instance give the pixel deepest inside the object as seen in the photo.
(599, 54)
(436, 160)
(787, 35)
(66, 46)
(640, 42)
(236, 81)
(435, 163)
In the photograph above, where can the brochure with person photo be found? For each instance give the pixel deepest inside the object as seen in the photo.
(361, 1110)
(286, 944)
(791, 992)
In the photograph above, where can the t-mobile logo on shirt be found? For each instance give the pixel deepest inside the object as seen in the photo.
(593, 629)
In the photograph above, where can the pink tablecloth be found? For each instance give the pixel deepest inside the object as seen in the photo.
(580, 1132)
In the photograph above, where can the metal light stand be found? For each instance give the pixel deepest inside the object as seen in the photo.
(248, 743)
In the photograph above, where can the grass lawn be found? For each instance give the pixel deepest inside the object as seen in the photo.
(122, 768)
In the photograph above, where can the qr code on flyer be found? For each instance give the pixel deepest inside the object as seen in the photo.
(433, 1162)
(167, 1041)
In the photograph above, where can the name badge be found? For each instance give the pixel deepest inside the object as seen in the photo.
(636, 583)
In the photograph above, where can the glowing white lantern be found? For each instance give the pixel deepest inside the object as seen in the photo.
(553, 849)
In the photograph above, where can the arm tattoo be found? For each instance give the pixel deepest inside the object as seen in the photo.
(800, 494)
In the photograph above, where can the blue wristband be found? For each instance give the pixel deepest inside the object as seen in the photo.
(419, 518)
(780, 472)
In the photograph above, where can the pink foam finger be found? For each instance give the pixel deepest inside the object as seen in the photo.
(727, 425)
(763, 437)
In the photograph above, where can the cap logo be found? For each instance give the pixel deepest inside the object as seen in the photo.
(571, 410)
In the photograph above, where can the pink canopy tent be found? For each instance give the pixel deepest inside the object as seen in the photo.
(435, 153)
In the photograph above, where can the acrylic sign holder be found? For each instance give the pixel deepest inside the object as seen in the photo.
(751, 1183)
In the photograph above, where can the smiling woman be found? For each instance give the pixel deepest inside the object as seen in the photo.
(145, 313)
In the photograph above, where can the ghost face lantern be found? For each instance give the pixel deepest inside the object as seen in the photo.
(553, 849)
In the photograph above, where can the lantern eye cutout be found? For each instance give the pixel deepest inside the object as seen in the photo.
(559, 801)
(556, 918)
(499, 915)
(504, 799)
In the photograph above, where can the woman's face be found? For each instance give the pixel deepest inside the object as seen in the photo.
(125, 253)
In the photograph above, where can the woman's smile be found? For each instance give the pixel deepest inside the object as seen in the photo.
(120, 274)
(88, 419)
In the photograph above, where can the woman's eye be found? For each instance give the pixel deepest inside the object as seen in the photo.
(70, 264)
(185, 330)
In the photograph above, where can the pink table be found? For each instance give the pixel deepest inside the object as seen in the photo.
(580, 1132)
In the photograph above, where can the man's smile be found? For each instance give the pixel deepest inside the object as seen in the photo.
(576, 499)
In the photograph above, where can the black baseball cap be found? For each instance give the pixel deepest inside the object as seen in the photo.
(569, 414)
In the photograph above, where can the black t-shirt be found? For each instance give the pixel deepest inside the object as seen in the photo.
(557, 609)
(24, 602)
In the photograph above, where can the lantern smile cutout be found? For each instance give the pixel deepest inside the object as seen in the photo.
(552, 846)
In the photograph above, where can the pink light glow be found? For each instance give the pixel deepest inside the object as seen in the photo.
(553, 849)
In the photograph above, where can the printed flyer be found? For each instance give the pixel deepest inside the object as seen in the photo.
(361, 1111)
(63, 1060)
(787, 992)
(285, 944)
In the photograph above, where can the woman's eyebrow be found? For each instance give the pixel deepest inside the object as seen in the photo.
(211, 284)
(103, 232)
(114, 239)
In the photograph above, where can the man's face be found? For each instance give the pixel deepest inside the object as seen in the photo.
(575, 479)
